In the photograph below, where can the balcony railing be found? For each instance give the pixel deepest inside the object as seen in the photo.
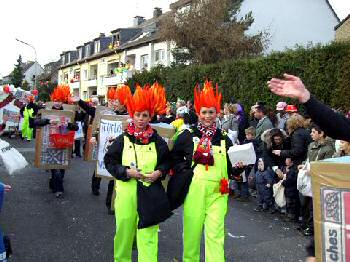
(75, 85)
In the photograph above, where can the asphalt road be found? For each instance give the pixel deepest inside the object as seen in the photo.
(78, 228)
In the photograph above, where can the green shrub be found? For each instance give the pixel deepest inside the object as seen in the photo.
(325, 70)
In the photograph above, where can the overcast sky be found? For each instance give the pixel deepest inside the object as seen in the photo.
(55, 26)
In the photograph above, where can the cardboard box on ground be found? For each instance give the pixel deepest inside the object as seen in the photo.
(331, 204)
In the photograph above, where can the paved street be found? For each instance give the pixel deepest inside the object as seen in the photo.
(77, 228)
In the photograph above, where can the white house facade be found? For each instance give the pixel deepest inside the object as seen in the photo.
(292, 22)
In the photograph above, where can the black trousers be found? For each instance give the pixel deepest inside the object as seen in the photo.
(307, 212)
(77, 150)
(56, 181)
(95, 187)
(293, 207)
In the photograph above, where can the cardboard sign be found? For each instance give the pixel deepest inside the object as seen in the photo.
(331, 199)
(47, 157)
(109, 131)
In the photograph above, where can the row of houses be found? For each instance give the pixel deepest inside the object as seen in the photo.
(106, 61)
(92, 67)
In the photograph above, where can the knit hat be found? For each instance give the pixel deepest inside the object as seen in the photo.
(281, 106)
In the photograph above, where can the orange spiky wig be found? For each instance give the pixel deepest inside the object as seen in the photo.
(61, 94)
(120, 93)
(207, 97)
(111, 93)
(151, 99)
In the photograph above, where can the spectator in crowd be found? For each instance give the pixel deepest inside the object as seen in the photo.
(193, 118)
(300, 139)
(281, 115)
(274, 139)
(264, 182)
(321, 148)
(241, 179)
(289, 175)
(344, 149)
(263, 125)
(230, 122)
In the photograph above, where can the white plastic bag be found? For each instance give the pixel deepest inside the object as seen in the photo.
(278, 194)
(13, 160)
(304, 180)
(242, 153)
(79, 134)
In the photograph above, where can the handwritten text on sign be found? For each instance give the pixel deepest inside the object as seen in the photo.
(109, 130)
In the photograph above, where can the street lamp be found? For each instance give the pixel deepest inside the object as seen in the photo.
(36, 59)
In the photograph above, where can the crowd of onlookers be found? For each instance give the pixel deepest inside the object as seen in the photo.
(285, 141)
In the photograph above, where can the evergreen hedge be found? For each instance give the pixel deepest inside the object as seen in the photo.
(325, 70)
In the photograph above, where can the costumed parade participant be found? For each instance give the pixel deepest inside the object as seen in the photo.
(28, 113)
(60, 95)
(138, 159)
(117, 101)
(201, 152)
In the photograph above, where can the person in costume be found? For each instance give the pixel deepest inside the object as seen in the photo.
(200, 180)
(60, 95)
(138, 159)
(28, 113)
(117, 101)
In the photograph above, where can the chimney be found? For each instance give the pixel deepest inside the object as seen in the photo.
(138, 20)
(157, 12)
(102, 35)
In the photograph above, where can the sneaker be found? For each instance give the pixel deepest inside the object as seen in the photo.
(258, 209)
(59, 195)
(308, 232)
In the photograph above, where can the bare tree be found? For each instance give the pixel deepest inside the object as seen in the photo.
(208, 31)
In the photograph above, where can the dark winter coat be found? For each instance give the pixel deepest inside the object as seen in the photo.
(271, 159)
(152, 203)
(181, 159)
(90, 110)
(299, 142)
(332, 123)
(290, 183)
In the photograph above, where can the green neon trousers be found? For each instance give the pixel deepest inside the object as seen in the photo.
(126, 217)
(204, 206)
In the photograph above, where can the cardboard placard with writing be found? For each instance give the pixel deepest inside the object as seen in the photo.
(46, 156)
(331, 207)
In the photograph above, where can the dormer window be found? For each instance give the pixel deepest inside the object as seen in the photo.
(87, 50)
(97, 46)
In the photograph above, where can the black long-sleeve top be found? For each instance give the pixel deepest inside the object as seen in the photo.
(332, 123)
(90, 110)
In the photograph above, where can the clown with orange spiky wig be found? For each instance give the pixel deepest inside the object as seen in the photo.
(117, 98)
(138, 159)
(60, 95)
(200, 181)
